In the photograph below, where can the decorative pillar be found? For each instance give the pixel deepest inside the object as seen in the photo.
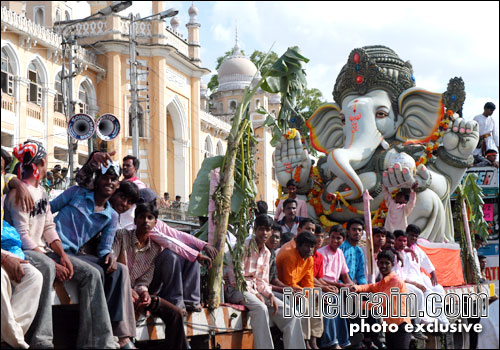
(195, 128)
(22, 105)
(182, 183)
(194, 36)
(158, 130)
(115, 101)
(49, 121)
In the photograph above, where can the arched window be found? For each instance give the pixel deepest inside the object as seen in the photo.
(232, 106)
(58, 101)
(140, 117)
(83, 102)
(58, 15)
(208, 147)
(67, 15)
(257, 104)
(39, 16)
(35, 87)
(221, 107)
(7, 74)
(220, 149)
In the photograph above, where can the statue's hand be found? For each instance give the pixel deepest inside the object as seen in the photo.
(461, 138)
(401, 177)
(289, 156)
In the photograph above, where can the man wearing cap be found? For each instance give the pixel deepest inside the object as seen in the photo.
(84, 214)
(488, 135)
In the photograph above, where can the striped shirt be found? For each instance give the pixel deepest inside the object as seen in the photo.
(255, 266)
(140, 261)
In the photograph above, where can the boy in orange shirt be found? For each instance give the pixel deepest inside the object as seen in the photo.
(295, 269)
(385, 262)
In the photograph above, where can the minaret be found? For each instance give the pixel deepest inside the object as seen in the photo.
(194, 35)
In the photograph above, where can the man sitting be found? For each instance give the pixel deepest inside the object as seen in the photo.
(305, 224)
(177, 268)
(412, 275)
(135, 249)
(258, 297)
(390, 280)
(84, 214)
(272, 244)
(295, 269)
(335, 333)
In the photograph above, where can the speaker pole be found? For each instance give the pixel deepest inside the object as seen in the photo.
(133, 86)
(68, 41)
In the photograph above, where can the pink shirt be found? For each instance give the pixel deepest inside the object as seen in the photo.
(138, 182)
(255, 266)
(397, 214)
(301, 209)
(177, 241)
(37, 228)
(333, 263)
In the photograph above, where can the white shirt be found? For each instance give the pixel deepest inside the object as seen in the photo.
(126, 219)
(423, 259)
(489, 338)
(487, 125)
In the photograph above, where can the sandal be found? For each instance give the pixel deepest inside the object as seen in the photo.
(129, 345)
(194, 308)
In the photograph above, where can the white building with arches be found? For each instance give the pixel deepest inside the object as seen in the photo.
(172, 128)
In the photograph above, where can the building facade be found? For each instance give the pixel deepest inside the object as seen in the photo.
(176, 129)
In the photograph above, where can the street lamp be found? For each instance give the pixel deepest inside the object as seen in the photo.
(117, 6)
(133, 73)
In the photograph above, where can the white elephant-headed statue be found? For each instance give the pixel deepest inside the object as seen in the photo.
(382, 130)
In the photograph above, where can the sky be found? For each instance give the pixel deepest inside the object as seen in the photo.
(442, 40)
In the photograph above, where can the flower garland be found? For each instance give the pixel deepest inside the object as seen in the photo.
(337, 199)
(433, 144)
(290, 134)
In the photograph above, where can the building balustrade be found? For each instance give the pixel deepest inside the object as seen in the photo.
(34, 111)
(8, 102)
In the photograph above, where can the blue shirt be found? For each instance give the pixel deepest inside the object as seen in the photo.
(76, 222)
(355, 260)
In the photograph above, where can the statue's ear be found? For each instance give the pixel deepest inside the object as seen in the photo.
(327, 128)
(422, 112)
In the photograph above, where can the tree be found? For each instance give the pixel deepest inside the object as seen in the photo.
(309, 101)
(287, 77)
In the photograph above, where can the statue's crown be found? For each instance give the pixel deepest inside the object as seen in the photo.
(373, 67)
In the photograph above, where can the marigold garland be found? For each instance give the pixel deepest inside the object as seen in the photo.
(433, 144)
(290, 134)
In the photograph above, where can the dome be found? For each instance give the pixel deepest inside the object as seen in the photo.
(236, 72)
(193, 11)
(237, 65)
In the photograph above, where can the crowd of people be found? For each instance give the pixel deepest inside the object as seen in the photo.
(104, 235)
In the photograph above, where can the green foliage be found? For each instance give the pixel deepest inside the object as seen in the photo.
(299, 101)
(470, 195)
(474, 198)
(263, 60)
(286, 76)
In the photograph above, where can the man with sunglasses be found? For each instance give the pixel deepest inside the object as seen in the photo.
(84, 214)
